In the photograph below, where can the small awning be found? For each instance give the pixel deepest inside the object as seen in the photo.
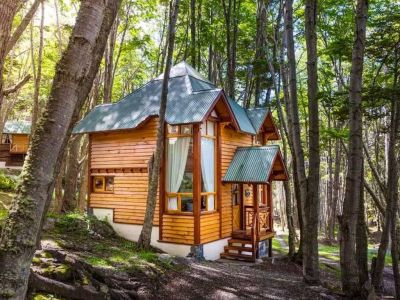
(256, 165)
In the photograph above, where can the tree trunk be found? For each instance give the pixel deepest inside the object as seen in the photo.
(293, 112)
(109, 63)
(69, 201)
(311, 208)
(351, 203)
(335, 195)
(38, 77)
(259, 60)
(193, 33)
(389, 225)
(8, 9)
(72, 82)
(145, 235)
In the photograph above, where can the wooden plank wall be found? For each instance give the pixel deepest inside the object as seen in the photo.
(178, 229)
(230, 141)
(209, 227)
(124, 150)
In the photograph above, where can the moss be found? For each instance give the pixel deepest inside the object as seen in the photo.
(36, 260)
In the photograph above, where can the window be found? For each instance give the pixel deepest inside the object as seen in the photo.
(6, 139)
(103, 184)
(180, 162)
(235, 194)
(179, 183)
(208, 175)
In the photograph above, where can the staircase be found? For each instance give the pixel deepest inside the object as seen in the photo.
(240, 249)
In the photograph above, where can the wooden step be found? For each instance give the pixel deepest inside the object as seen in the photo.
(238, 248)
(238, 241)
(237, 256)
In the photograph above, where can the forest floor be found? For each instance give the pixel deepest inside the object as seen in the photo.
(83, 257)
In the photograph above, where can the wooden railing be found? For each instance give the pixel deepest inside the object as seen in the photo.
(19, 148)
(259, 223)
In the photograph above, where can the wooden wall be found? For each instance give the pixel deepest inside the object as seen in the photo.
(115, 154)
(209, 227)
(178, 229)
(230, 141)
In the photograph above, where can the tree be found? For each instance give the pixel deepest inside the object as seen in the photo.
(351, 203)
(8, 10)
(145, 234)
(73, 80)
(311, 207)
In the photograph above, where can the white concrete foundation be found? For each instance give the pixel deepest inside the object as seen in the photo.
(211, 251)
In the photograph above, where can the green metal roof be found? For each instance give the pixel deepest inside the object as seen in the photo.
(251, 164)
(257, 116)
(190, 97)
(17, 127)
(241, 117)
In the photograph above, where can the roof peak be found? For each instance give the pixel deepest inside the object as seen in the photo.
(183, 69)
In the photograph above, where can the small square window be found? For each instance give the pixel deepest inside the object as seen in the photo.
(186, 129)
(173, 129)
(109, 184)
(98, 184)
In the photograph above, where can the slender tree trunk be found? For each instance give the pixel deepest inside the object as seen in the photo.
(335, 195)
(293, 112)
(109, 63)
(351, 203)
(145, 235)
(193, 33)
(69, 201)
(259, 60)
(74, 77)
(38, 77)
(311, 208)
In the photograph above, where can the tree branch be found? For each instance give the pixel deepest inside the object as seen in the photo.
(381, 184)
(22, 26)
(17, 86)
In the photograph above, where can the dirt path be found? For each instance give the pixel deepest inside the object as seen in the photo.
(224, 279)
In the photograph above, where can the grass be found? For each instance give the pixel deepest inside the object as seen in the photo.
(73, 231)
(332, 252)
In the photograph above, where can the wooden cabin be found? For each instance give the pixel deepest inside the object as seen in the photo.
(14, 143)
(215, 191)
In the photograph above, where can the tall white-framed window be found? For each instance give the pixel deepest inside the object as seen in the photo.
(179, 176)
(208, 166)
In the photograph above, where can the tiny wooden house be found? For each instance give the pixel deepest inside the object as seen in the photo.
(215, 191)
(14, 143)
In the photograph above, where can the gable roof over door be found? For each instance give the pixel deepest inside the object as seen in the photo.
(190, 99)
(17, 127)
(256, 165)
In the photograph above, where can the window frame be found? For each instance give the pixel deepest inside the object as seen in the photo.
(103, 188)
(214, 137)
(177, 195)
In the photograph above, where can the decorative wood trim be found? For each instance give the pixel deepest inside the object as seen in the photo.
(196, 182)
(219, 176)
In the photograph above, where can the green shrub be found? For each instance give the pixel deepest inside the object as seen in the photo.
(8, 182)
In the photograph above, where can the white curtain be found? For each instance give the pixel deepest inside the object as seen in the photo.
(208, 168)
(178, 149)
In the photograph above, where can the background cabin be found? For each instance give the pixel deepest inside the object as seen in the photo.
(215, 191)
(14, 143)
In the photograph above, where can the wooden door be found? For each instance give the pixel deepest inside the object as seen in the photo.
(236, 207)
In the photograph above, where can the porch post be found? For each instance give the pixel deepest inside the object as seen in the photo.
(196, 182)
